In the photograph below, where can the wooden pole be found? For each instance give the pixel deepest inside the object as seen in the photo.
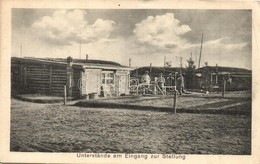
(175, 101)
(79, 49)
(164, 62)
(150, 68)
(175, 80)
(130, 60)
(65, 94)
(200, 50)
(216, 74)
(181, 64)
(21, 50)
(224, 88)
(195, 57)
(50, 80)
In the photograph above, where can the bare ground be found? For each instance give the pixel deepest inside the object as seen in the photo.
(57, 128)
(234, 103)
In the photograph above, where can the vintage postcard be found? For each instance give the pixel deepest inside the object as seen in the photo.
(143, 81)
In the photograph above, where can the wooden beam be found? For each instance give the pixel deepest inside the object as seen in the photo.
(65, 94)
(50, 84)
(175, 101)
(200, 50)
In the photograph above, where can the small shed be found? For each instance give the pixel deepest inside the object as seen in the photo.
(212, 76)
(81, 77)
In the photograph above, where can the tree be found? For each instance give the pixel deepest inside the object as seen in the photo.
(191, 64)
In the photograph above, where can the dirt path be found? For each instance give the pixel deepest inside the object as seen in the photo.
(57, 128)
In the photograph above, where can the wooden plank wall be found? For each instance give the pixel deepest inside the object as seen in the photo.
(50, 79)
(58, 80)
(36, 78)
(15, 78)
(46, 79)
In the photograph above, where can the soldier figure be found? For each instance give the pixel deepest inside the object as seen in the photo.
(180, 84)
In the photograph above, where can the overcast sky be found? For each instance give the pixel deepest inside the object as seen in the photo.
(145, 36)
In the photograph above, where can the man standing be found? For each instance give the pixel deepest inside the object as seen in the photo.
(146, 78)
(180, 84)
(161, 81)
(146, 81)
(170, 80)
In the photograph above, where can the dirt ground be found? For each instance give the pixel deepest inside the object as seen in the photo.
(238, 102)
(58, 128)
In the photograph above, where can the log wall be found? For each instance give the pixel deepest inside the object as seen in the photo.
(45, 79)
(50, 78)
(58, 78)
(30, 77)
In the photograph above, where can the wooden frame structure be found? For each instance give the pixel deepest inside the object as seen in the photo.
(81, 77)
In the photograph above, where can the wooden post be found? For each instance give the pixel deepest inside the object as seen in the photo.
(25, 76)
(224, 88)
(50, 80)
(80, 84)
(174, 101)
(216, 74)
(80, 49)
(150, 68)
(130, 62)
(21, 76)
(164, 62)
(119, 79)
(200, 50)
(175, 80)
(21, 50)
(155, 90)
(65, 94)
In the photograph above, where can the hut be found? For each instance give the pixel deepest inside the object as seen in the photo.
(81, 77)
(207, 78)
(212, 76)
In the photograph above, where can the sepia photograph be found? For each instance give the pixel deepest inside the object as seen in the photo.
(129, 81)
(154, 81)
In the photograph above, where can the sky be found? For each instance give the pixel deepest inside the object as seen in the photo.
(144, 35)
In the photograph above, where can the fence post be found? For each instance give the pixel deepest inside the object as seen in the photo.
(174, 101)
(224, 88)
(175, 79)
(65, 94)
